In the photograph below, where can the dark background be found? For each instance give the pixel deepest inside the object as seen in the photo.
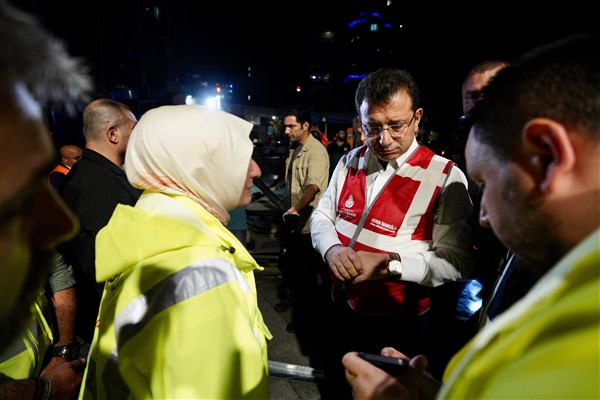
(155, 47)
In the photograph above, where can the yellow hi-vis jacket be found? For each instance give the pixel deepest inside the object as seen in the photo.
(24, 358)
(546, 346)
(179, 316)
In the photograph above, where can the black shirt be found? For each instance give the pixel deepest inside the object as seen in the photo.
(92, 190)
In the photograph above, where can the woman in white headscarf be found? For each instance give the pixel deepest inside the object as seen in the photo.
(179, 316)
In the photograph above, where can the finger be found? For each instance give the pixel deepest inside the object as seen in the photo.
(350, 377)
(351, 269)
(392, 352)
(337, 274)
(340, 271)
(354, 364)
(349, 359)
(420, 363)
(352, 264)
(79, 364)
(78, 361)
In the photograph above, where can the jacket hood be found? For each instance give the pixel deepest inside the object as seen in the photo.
(133, 235)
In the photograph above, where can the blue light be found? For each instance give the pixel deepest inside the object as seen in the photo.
(350, 77)
(470, 300)
(364, 17)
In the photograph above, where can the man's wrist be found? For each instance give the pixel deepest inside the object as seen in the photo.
(43, 388)
(328, 252)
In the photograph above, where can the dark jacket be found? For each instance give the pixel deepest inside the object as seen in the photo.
(92, 190)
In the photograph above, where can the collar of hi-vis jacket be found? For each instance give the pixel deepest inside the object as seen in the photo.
(160, 223)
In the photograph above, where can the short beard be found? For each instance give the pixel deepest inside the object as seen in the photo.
(18, 318)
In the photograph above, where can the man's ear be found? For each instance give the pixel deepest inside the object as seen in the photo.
(418, 115)
(551, 151)
(113, 134)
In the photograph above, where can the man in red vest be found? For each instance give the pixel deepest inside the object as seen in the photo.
(391, 225)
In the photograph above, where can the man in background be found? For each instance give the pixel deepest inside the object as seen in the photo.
(456, 306)
(359, 135)
(69, 155)
(93, 188)
(336, 149)
(315, 130)
(306, 177)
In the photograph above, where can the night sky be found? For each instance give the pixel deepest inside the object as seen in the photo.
(439, 45)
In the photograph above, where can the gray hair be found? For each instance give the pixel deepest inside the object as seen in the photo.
(34, 56)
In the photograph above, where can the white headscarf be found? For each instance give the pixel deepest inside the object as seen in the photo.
(192, 150)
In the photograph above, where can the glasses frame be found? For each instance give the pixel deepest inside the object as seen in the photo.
(375, 131)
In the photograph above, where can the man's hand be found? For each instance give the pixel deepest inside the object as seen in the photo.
(53, 363)
(370, 382)
(291, 210)
(356, 267)
(373, 266)
(66, 378)
(343, 262)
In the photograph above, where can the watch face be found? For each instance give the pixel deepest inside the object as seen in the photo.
(68, 352)
(395, 268)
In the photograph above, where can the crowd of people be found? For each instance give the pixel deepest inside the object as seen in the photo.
(121, 279)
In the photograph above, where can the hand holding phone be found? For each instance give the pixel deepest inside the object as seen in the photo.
(390, 365)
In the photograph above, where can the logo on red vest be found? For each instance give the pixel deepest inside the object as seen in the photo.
(349, 202)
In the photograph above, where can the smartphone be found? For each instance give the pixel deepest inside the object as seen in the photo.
(389, 364)
(291, 220)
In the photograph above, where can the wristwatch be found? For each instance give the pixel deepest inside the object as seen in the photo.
(68, 352)
(394, 266)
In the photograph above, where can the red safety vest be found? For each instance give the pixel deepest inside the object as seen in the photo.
(404, 210)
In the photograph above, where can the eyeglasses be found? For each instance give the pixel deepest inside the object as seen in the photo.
(395, 130)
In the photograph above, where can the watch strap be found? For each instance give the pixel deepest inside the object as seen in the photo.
(393, 257)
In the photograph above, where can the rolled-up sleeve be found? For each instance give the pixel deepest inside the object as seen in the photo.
(62, 275)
